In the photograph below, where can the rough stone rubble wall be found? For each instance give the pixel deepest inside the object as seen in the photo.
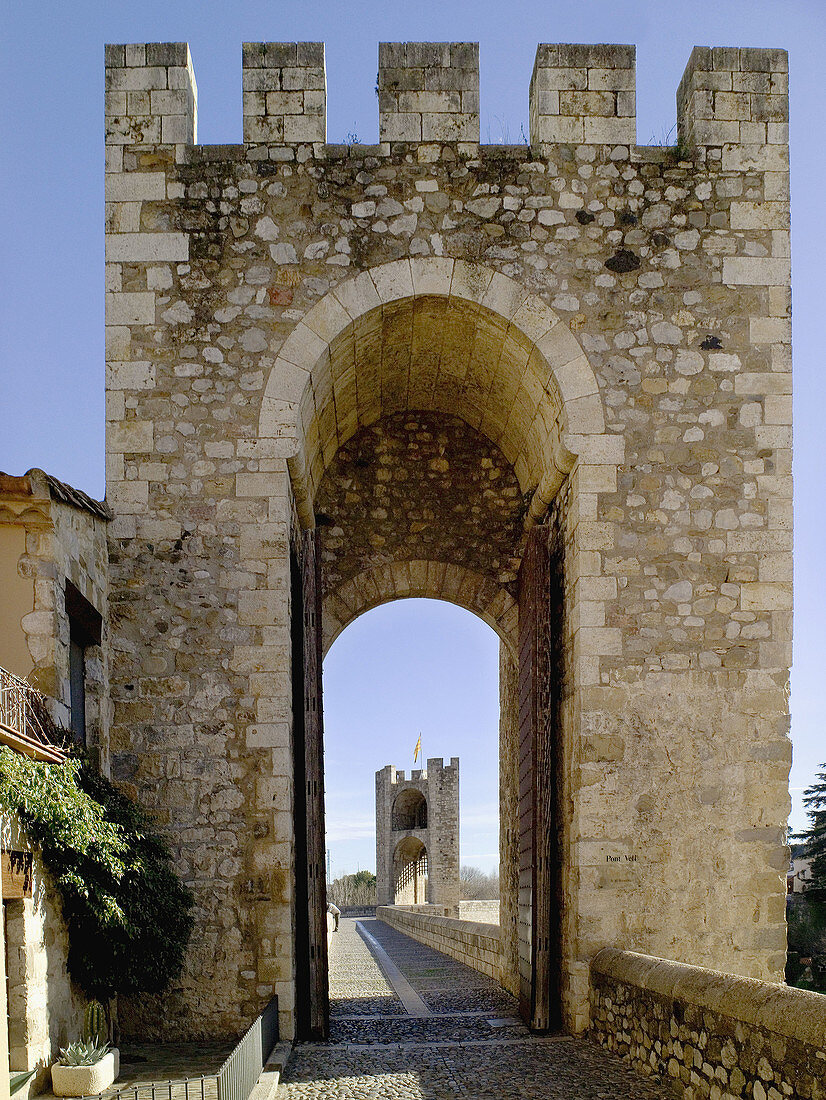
(653, 284)
(711, 1034)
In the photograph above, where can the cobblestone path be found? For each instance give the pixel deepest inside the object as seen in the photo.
(471, 1045)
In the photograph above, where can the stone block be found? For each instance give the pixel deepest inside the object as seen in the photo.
(398, 127)
(759, 215)
(268, 55)
(134, 308)
(137, 375)
(304, 128)
(143, 79)
(610, 131)
(135, 186)
(147, 247)
(168, 54)
(130, 437)
(756, 271)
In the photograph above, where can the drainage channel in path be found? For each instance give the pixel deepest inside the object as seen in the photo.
(408, 1023)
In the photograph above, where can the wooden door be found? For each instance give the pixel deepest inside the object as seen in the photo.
(540, 627)
(312, 993)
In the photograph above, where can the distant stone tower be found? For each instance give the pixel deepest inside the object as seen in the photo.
(417, 836)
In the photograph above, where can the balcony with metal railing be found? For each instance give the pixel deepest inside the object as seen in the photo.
(25, 723)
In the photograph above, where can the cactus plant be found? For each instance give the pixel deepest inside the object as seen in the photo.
(95, 1024)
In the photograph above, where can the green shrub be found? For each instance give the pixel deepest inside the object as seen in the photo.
(127, 912)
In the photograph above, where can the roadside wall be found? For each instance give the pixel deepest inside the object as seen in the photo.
(487, 912)
(476, 945)
(712, 1034)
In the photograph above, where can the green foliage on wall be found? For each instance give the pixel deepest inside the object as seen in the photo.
(127, 912)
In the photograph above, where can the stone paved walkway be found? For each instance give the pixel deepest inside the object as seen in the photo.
(472, 1045)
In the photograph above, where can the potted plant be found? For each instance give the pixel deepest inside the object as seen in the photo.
(84, 1068)
(90, 1066)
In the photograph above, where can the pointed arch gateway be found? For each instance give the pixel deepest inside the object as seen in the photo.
(460, 343)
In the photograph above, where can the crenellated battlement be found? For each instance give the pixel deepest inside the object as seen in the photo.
(584, 95)
(151, 95)
(285, 93)
(428, 94)
(435, 766)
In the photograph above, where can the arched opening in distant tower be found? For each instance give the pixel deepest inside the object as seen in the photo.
(410, 872)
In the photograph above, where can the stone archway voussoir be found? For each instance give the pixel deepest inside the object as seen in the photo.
(393, 281)
(431, 275)
(303, 347)
(357, 296)
(534, 318)
(470, 281)
(328, 318)
(504, 296)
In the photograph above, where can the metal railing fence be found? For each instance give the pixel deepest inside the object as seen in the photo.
(238, 1076)
(24, 714)
(235, 1080)
(189, 1088)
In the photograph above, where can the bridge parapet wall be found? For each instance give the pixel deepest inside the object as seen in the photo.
(476, 945)
(711, 1033)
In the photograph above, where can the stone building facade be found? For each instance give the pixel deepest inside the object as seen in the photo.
(606, 328)
(54, 612)
(417, 836)
(55, 582)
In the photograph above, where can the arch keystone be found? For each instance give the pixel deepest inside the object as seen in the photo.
(431, 275)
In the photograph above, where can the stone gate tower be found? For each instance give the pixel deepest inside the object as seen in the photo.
(549, 383)
(417, 836)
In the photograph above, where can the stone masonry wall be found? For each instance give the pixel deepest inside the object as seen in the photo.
(420, 486)
(614, 318)
(45, 1008)
(473, 943)
(710, 1034)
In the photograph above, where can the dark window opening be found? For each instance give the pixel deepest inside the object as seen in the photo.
(85, 627)
(77, 690)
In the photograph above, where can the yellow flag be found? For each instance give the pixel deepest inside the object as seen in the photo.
(418, 749)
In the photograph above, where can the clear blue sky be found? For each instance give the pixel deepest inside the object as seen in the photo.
(51, 308)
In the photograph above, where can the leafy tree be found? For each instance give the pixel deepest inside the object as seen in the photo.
(814, 837)
(357, 889)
